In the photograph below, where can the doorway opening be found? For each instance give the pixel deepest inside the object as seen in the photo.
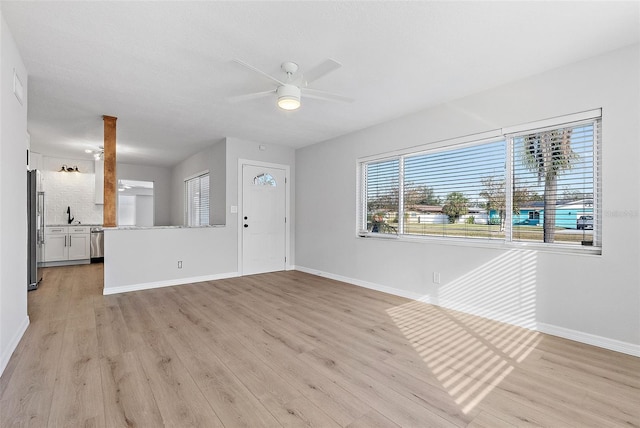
(135, 203)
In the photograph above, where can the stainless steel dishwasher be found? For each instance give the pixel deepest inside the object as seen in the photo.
(97, 244)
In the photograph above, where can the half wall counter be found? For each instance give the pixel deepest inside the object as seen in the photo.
(139, 258)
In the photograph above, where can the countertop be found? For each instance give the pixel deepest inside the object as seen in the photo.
(162, 227)
(137, 227)
(81, 224)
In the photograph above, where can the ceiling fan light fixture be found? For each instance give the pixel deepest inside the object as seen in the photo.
(288, 97)
(288, 103)
(97, 154)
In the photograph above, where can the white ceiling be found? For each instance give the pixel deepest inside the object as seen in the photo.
(165, 69)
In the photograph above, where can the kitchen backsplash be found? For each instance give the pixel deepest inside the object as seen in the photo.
(70, 189)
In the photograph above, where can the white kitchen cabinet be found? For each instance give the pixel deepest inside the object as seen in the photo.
(55, 244)
(79, 242)
(66, 243)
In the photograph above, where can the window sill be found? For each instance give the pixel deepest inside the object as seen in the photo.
(485, 243)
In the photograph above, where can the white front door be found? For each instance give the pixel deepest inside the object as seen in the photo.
(263, 219)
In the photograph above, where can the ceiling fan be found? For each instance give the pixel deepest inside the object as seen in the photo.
(97, 154)
(290, 89)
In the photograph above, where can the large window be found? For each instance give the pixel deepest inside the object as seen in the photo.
(196, 203)
(537, 185)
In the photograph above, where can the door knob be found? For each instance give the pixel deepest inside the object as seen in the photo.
(246, 225)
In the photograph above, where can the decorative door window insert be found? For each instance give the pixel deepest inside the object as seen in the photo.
(264, 179)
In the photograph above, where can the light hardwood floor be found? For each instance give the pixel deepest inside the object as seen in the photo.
(292, 349)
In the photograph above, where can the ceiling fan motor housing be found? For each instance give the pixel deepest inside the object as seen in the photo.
(289, 67)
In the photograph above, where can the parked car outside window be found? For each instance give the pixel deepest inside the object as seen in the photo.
(584, 222)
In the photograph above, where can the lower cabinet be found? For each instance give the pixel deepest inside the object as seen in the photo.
(55, 246)
(67, 243)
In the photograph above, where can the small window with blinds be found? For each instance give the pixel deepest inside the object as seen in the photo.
(535, 186)
(381, 181)
(196, 207)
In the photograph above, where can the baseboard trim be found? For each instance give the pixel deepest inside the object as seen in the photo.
(590, 339)
(578, 336)
(8, 351)
(66, 263)
(167, 283)
(366, 284)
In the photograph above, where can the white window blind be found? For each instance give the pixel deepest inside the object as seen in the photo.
(196, 211)
(558, 168)
(381, 181)
(454, 192)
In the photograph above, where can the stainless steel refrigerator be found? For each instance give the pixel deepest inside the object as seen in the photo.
(35, 217)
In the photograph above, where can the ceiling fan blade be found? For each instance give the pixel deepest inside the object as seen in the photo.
(321, 70)
(251, 96)
(260, 72)
(326, 96)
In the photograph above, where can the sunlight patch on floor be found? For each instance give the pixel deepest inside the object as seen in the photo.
(468, 354)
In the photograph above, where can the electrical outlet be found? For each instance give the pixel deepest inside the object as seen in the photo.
(436, 277)
(179, 264)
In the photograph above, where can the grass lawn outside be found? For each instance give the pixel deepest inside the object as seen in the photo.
(492, 231)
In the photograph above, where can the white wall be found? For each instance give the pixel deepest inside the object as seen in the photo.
(13, 199)
(161, 177)
(595, 299)
(76, 190)
(144, 210)
(126, 210)
(139, 259)
(218, 183)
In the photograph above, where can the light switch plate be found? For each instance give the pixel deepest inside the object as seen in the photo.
(234, 209)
